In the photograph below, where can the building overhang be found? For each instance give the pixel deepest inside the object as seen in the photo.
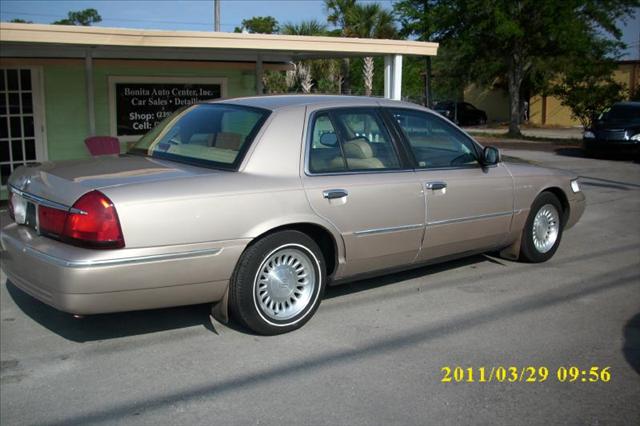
(35, 40)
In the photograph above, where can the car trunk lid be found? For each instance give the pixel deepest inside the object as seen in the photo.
(66, 181)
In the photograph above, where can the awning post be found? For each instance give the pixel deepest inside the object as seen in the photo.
(90, 94)
(387, 77)
(259, 75)
(397, 78)
(393, 77)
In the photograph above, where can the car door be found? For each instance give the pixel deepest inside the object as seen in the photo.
(356, 177)
(468, 207)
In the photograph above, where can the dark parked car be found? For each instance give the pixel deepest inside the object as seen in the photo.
(616, 130)
(461, 113)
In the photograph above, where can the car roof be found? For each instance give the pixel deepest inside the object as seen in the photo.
(275, 102)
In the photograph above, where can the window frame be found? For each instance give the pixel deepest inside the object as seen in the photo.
(478, 149)
(405, 162)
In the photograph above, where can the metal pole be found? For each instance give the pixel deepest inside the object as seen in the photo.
(427, 78)
(259, 75)
(88, 76)
(427, 85)
(216, 15)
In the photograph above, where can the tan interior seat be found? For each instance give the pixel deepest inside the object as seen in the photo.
(359, 155)
(227, 140)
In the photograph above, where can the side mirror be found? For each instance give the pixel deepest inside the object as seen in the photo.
(491, 156)
(329, 139)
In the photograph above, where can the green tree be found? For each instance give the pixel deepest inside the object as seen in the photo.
(588, 89)
(259, 25)
(311, 27)
(514, 41)
(339, 12)
(84, 17)
(416, 18)
(318, 73)
(369, 21)
(20, 21)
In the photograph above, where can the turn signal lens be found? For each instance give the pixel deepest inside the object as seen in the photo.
(575, 186)
(97, 226)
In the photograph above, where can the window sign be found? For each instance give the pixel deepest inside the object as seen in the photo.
(139, 104)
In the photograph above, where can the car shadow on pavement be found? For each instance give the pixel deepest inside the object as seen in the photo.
(579, 152)
(571, 152)
(631, 348)
(110, 326)
(366, 284)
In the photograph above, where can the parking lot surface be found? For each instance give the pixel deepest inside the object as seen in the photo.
(374, 352)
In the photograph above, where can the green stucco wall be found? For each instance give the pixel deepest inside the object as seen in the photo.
(65, 111)
(66, 105)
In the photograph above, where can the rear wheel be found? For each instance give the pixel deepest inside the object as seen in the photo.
(543, 230)
(278, 283)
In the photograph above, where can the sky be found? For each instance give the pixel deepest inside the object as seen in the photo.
(198, 15)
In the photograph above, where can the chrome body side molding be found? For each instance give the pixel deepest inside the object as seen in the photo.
(392, 229)
(469, 218)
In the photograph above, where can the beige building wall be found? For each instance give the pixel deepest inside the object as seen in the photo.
(548, 110)
(495, 102)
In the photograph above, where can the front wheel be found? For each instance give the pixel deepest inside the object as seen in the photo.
(278, 283)
(543, 230)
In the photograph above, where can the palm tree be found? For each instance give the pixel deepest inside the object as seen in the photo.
(304, 28)
(370, 21)
(340, 12)
(302, 74)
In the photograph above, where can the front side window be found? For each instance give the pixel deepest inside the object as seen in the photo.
(204, 134)
(434, 142)
(350, 140)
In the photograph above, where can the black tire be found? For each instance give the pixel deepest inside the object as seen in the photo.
(244, 293)
(528, 250)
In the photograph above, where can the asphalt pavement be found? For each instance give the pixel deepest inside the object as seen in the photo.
(375, 350)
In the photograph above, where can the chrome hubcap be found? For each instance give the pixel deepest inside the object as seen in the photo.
(285, 283)
(546, 225)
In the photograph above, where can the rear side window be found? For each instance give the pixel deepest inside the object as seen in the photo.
(434, 142)
(350, 140)
(205, 134)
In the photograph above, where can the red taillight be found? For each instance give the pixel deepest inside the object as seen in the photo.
(51, 221)
(11, 213)
(97, 226)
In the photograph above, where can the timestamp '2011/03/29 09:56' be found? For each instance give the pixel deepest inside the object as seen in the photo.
(527, 374)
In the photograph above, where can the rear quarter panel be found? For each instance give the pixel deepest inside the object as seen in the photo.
(264, 194)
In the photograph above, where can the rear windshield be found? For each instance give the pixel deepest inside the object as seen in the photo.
(214, 135)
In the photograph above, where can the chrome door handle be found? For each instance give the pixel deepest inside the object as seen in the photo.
(434, 186)
(331, 194)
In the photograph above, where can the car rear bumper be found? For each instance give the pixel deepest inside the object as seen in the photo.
(83, 281)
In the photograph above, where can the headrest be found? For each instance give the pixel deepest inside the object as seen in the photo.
(226, 140)
(358, 148)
